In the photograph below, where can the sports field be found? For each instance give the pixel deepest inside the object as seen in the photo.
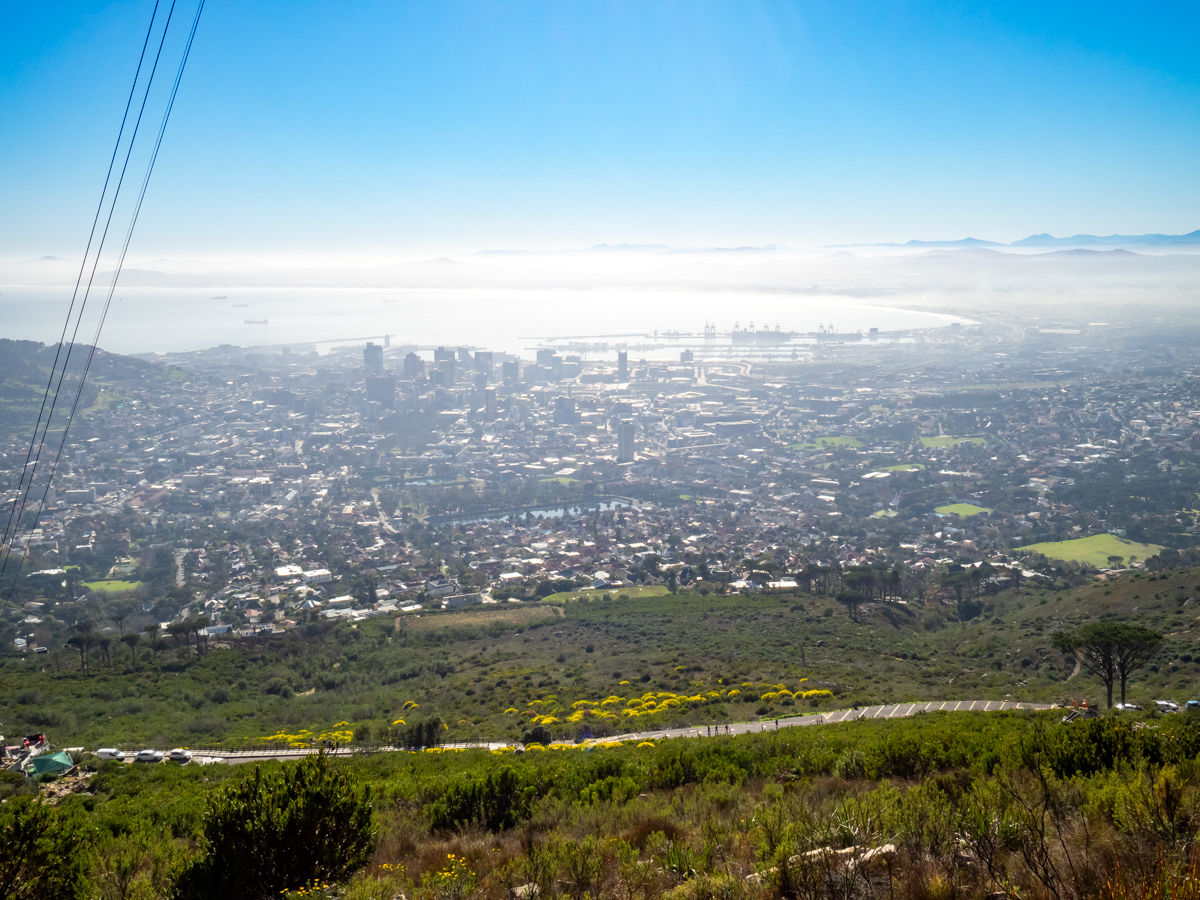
(962, 509)
(112, 586)
(1094, 549)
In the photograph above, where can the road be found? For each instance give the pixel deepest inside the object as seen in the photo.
(886, 711)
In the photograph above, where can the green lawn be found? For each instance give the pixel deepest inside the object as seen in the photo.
(962, 509)
(945, 440)
(111, 586)
(904, 467)
(883, 514)
(634, 593)
(1094, 549)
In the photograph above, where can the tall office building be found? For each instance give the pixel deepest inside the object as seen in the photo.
(565, 411)
(625, 441)
(381, 389)
(511, 370)
(489, 404)
(414, 366)
(373, 358)
(622, 366)
(484, 362)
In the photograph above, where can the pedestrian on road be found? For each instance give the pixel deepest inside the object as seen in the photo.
(776, 724)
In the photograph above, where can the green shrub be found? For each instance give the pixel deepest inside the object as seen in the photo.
(618, 789)
(44, 853)
(280, 831)
(497, 800)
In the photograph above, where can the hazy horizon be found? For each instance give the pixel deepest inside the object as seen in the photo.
(379, 131)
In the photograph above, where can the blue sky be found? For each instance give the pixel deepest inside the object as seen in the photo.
(397, 129)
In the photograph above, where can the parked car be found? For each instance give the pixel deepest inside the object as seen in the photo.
(110, 753)
(1192, 706)
(149, 756)
(180, 755)
(1129, 706)
(1167, 706)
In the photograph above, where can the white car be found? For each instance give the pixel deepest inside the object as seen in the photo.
(180, 755)
(149, 756)
(1166, 706)
(110, 753)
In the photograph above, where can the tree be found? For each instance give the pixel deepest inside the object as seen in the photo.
(132, 640)
(1137, 648)
(1111, 651)
(851, 600)
(152, 631)
(45, 852)
(179, 630)
(103, 644)
(281, 831)
(80, 643)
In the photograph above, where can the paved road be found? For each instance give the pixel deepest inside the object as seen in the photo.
(886, 711)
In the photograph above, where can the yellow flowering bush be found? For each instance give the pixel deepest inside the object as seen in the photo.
(454, 881)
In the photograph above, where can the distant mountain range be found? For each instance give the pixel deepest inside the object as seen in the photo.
(1049, 240)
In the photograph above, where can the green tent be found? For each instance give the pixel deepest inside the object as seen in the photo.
(52, 762)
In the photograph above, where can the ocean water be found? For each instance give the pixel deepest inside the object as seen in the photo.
(160, 320)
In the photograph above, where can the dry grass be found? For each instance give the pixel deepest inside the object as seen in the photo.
(480, 618)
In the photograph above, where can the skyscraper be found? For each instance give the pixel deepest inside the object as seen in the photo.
(565, 411)
(381, 389)
(622, 366)
(414, 366)
(625, 441)
(373, 358)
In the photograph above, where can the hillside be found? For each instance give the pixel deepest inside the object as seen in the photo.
(708, 660)
(25, 368)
